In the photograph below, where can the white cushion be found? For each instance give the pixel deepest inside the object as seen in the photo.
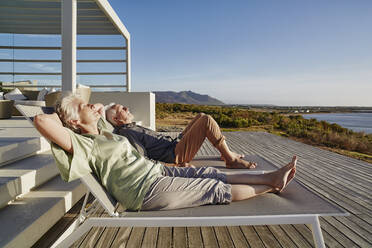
(1, 95)
(82, 86)
(15, 94)
(51, 90)
(30, 103)
(42, 94)
(106, 107)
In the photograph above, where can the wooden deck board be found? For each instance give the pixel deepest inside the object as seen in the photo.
(136, 237)
(281, 236)
(92, 236)
(300, 235)
(209, 237)
(341, 180)
(107, 237)
(252, 236)
(355, 223)
(165, 237)
(122, 237)
(266, 236)
(223, 236)
(150, 238)
(194, 237)
(237, 237)
(179, 237)
(332, 235)
(349, 233)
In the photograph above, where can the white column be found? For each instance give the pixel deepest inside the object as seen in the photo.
(128, 66)
(68, 15)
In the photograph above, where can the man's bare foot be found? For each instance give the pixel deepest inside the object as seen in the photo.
(185, 165)
(239, 163)
(234, 154)
(282, 177)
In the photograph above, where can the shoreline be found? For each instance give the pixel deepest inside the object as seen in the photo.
(339, 112)
(355, 121)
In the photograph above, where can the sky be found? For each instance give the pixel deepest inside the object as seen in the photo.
(288, 52)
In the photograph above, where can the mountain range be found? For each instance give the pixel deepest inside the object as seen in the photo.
(186, 97)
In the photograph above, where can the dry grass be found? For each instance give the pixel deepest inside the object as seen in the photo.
(175, 119)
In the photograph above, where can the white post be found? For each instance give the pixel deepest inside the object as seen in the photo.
(68, 15)
(128, 66)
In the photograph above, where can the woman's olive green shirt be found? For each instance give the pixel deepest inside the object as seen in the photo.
(125, 173)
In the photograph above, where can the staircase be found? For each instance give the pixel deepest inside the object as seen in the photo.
(33, 197)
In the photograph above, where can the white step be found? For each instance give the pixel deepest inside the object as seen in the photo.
(17, 148)
(26, 219)
(21, 176)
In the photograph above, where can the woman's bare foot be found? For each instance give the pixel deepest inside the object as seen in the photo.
(289, 178)
(238, 163)
(281, 177)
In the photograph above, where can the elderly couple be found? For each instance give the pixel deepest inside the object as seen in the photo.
(125, 160)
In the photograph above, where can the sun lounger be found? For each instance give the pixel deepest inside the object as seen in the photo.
(296, 205)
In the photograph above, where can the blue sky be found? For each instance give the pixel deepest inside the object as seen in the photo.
(254, 52)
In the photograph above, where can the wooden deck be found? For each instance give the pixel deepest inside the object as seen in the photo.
(344, 181)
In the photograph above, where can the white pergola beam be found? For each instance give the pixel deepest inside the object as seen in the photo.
(128, 66)
(113, 17)
(69, 17)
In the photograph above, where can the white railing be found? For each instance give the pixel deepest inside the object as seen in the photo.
(126, 83)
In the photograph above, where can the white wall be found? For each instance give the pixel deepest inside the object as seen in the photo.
(140, 104)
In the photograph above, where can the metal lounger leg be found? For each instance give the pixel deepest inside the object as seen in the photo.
(317, 233)
(70, 230)
(70, 239)
(67, 233)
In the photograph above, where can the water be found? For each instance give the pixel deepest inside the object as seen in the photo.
(359, 122)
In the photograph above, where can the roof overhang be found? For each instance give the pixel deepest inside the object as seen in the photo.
(68, 18)
(94, 17)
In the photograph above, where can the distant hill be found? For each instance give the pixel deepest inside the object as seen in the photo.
(187, 97)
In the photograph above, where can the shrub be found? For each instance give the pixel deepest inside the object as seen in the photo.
(316, 132)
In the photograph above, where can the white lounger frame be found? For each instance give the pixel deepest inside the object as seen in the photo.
(83, 223)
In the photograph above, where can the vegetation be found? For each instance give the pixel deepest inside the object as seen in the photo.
(311, 131)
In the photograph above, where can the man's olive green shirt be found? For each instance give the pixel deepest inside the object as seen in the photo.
(125, 173)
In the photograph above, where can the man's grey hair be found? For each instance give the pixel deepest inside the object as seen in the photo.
(67, 110)
(110, 114)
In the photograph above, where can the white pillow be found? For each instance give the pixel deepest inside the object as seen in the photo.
(51, 90)
(15, 94)
(42, 94)
(82, 86)
(106, 107)
(1, 95)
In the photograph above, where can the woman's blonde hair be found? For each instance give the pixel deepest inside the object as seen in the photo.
(67, 110)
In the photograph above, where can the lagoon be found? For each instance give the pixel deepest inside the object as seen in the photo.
(359, 122)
